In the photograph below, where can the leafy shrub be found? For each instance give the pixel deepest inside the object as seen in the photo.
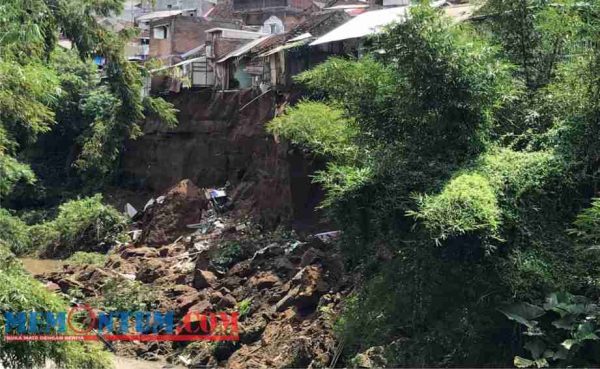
(467, 203)
(229, 253)
(14, 232)
(85, 224)
(318, 127)
(86, 258)
(587, 225)
(561, 332)
(516, 173)
(125, 295)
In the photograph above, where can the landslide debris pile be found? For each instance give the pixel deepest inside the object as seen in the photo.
(188, 257)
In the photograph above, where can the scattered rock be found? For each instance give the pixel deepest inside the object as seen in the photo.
(242, 269)
(251, 332)
(311, 256)
(185, 302)
(226, 301)
(53, 286)
(204, 279)
(264, 280)
(308, 288)
(151, 271)
(139, 252)
(201, 306)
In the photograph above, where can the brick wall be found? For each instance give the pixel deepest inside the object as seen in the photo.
(159, 48)
(224, 46)
(188, 33)
(185, 33)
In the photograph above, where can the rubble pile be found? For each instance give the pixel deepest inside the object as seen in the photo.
(195, 258)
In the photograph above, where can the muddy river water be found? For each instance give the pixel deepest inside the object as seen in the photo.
(39, 266)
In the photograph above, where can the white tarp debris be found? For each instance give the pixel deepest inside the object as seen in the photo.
(130, 210)
(135, 234)
(217, 193)
(328, 236)
(149, 203)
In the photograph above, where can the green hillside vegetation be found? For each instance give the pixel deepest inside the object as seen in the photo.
(474, 169)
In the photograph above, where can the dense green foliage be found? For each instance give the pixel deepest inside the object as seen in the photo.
(320, 128)
(14, 233)
(477, 157)
(58, 96)
(63, 124)
(86, 224)
(466, 204)
(20, 292)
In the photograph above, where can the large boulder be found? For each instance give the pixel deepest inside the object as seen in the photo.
(307, 286)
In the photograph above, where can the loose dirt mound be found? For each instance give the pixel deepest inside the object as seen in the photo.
(286, 291)
(167, 217)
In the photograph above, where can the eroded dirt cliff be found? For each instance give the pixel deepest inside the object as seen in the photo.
(220, 139)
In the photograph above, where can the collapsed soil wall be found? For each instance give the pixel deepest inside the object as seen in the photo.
(221, 138)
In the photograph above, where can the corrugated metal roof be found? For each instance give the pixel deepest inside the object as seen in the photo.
(354, 6)
(362, 25)
(373, 22)
(244, 49)
(303, 36)
(189, 61)
(193, 51)
(159, 15)
(286, 46)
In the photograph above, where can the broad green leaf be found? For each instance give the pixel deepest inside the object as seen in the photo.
(566, 322)
(521, 362)
(536, 347)
(568, 343)
(560, 354)
(523, 313)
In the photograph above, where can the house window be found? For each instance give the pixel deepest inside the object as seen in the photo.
(273, 28)
(161, 32)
